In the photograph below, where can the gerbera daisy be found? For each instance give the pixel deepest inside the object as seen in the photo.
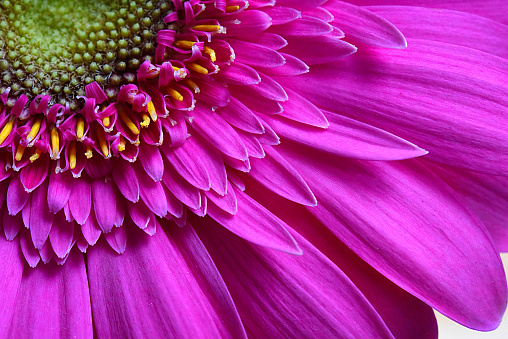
(251, 168)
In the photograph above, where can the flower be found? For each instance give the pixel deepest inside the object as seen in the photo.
(141, 154)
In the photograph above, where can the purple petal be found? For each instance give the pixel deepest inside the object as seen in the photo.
(117, 239)
(104, 203)
(187, 286)
(407, 232)
(276, 174)
(151, 159)
(55, 302)
(59, 190)
(61, 235)
(268, 230)
(290, 296)
(16, 196)
(126, 180)
(80, 200)
(41, 219)
(11, 270)
(34, 174)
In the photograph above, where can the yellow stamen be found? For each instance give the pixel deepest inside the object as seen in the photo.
(89, 152)
(36, 155)
(55, 141)
(207, 28)
(211, 53)
(102, 141)
(184, 44)
(6, 131)
(127, 121)
(151, 110)
(72, 155)
(192, 85)
(19, 152)
(146, 120)
(176, 69)
(197, 68)
(174, 94)
(80, 128)
(121, 144)
(106, 121)
(34, 130)
(230, 9)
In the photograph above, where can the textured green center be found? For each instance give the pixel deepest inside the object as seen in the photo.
(56, 47)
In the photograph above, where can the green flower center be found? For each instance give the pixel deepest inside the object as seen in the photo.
(57, 47)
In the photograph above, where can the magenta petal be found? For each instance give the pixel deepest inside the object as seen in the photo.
(364, 26)
(30, 253)
(55, 302)
(207, 123)
(290, 296)
(152, 194)
(80, 200)
(487, 195)
(126, 180)
(11, 224)
(276, 174)
(407, 233)
(226, 203)
(41, 219)
(306, 26)
(104, 203)
(348, 138)
(268, 230)
(185, 192)
(458, 28)
(91, 230)
(61, 235)
(11, 270)
(160, 279)
(384, 87)
(59, 190)
(318, 50)
(256, 55)
(117, 239)
(151, 159)
(16, 196)
(34, 174)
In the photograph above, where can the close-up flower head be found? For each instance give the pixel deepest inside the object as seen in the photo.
(252, 168)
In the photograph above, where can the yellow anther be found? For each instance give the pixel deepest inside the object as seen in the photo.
(6, 131)
(197, 68)
(80, 128)
(55, 141)
(211, 53)
(106, 121)
(184, 44)
(102, 141)
(192, 85)
(36, 155)
(121, 144)
(72, 155)
(34, 130)
(207, 28)
(19, 152)
(174, 94)
(176, 69)
(151, 110)
(146, 120)
(230, 9)
(89, 152)
(127, 121)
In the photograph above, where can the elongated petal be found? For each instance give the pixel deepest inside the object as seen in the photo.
(268, 230)
(407, 233)
(293, 296)
(419, 94)
(55, 302)
(160, 279)
(11, 270)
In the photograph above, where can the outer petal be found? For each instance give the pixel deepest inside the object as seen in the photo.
(279, 295)
(407, 234)
(159, 280)
(55, 301)
(11, 270)
(436, 95)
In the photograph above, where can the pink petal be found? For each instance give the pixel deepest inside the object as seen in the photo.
(59, 190)
(61, 235)
(41, 219)
(290, 296)
(80, 200)
(55, 302)
(126, 180)
(187, 286)
(104, 203)
(268, 230)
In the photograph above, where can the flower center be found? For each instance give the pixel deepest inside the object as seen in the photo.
(55, 48)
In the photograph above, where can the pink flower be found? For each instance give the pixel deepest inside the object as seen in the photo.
(262, 168)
